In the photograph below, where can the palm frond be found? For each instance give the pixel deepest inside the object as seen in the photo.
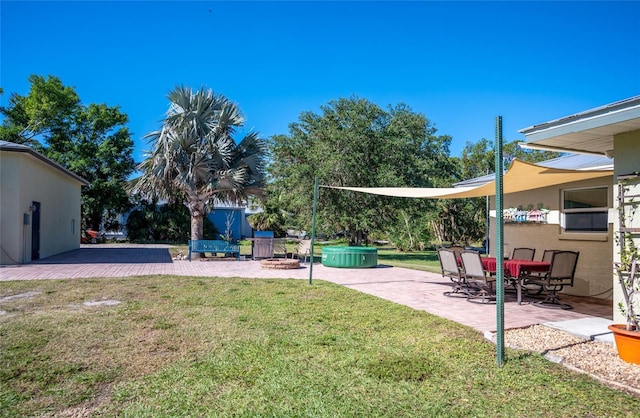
(194, 152)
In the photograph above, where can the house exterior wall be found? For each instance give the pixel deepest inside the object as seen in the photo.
(25, 179)
(593, 272)
(247, 231)
(627, 160)
(11, 208)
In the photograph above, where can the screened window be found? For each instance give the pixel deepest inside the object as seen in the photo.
(586, 210)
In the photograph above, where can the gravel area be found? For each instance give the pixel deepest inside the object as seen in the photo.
(598, 359)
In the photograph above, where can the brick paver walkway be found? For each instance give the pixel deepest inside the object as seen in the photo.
(419, 290)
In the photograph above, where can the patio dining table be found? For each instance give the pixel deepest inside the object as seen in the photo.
(516, 270)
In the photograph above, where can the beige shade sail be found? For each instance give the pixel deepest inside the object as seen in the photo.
(520, 177)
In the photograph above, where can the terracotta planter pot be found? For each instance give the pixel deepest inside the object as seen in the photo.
(627, 342)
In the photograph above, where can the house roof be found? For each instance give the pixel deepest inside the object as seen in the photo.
(590, 131)
(13, 147)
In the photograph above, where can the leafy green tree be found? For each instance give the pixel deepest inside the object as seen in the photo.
(195, 156)
(89, 140)
(272, 217)
(268, 221)
(353, 142)
(49, 106)
(478, 159)
(464, 220)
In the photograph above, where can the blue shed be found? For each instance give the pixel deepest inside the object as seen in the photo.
(234, 217)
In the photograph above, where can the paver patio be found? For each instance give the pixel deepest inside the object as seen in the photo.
(417, 289)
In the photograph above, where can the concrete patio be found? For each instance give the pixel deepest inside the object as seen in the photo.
(420, 290)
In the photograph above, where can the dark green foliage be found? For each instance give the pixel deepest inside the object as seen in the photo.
(168, 223)
(90, 140)
(49, 108)
(268, 221)
(411, 229)
(356, 143)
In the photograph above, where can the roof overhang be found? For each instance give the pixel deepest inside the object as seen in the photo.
(588, 132)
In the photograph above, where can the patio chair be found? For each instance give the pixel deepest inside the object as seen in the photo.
(523, 254)
(560, 274)
(547, 255)
(303, 251)
(520, 253)
(534, 277)
(451, 270)
(457, 249)
(480, 282)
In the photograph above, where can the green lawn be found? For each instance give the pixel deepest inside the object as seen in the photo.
(417, 260)
(178, 346)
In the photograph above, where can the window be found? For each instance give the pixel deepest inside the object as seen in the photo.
(586, 210)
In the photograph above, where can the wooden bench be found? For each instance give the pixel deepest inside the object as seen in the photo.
(213, 246)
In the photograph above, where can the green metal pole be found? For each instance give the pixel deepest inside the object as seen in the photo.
(499, 246)
(313, 227)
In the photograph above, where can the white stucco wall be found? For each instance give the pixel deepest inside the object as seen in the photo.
(593, 272)
(11, 241)
(627, 160)
(26, 179)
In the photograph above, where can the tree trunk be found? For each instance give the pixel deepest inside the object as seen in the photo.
(196, 209)
(94, 220)
(406, 223)
(352, 230)
(359, 237)
(438, 231)
(197, 226)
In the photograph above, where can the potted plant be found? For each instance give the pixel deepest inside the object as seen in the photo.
(627, 336)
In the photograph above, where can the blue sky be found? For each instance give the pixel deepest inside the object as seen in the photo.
(460, 64)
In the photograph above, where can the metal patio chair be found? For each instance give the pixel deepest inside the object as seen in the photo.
(449, 263)
(457, 249)
(560, 274)
(303, 251)
(520, 253)
(534, 277)
(523, 254)
(480, 281)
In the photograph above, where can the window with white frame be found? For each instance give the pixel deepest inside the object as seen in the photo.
(586, 210)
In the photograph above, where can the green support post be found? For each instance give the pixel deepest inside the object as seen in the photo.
(499, 246)
(313, 227)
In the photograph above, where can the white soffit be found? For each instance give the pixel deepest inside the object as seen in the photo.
(591, 131)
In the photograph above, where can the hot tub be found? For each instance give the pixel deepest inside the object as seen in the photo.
(349, 257)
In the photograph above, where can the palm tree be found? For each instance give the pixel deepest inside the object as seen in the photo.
(195, 154)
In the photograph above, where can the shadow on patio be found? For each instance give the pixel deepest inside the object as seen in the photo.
(102, 255)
